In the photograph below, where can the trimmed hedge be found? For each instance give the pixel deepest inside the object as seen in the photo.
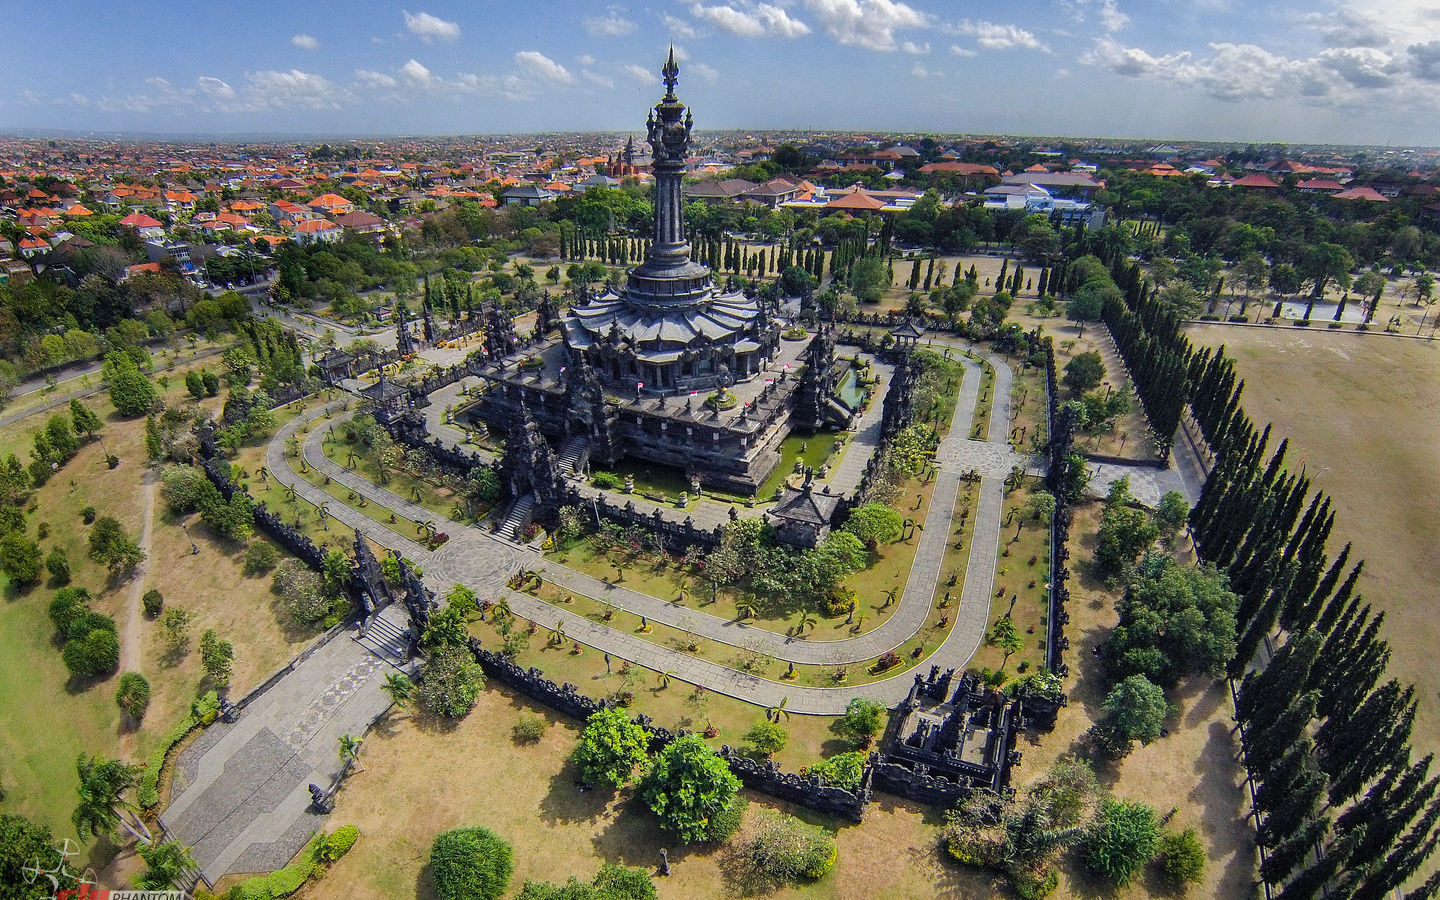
(148, 793)
(321, 850)
(339, 843)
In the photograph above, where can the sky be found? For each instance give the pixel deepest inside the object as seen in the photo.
(1322, 71)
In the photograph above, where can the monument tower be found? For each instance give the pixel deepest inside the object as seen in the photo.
(670, 330)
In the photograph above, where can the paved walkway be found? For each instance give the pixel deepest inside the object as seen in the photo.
(239, 796)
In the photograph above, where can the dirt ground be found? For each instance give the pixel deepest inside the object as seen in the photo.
(409, 792)
(1362, 417)
(1193, 769)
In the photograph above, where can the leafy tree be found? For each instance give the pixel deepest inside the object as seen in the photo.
(1006, 636)
(24, 845)
(687, 785)
(1137, 708)
(862, 721)
(131, 391)
(60, 435)
(612, 748)
(83, 419)
(868, 279)
(452, 682)
(195, 384)
(768, 738)
(217, 657)
(175, 625)
(1171, 515)
(165, 863)
(470, 864)
(874, 524)
(92, 649)
(1182, 858)
(101, 791)
(1174, 620)
(1089, 302)
(463, 599)
(109, 544)
(1084, 371)
(20, 559)
(133, 695)
(260, 558)
(1122, 840)
(446, 628)
(68, 609)
(1041, 506)
(57, 563)
(1125, 533)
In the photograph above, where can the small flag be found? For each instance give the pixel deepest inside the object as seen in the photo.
(639, 385)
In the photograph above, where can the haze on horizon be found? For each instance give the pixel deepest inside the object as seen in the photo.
(1322, 71)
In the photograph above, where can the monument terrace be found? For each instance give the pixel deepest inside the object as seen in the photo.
(671, 369)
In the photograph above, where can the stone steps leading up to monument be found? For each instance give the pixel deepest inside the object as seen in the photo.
(570, 456)
(519, 510)
(386, 640)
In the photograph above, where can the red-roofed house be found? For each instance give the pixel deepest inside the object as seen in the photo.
(147, 227)
(1319, 186)
(1255, 181)
(314, 231)
(1363, 193)
(331, 204)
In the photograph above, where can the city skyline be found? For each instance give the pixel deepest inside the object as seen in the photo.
(1356, 72)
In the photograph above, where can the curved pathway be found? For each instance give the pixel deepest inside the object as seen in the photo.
(484, 562)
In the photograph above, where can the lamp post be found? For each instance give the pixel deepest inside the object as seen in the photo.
(194, 548)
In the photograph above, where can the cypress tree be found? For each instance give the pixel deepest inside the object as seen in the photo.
(1308, 610)
(915, 274)
(1371, 752)
(1255, 631)
(1290, 853)
(1428, 890)
(1295, 808)
(1337, 603)
(929, 273)
(1344, 658)
(1314, 877)
(1004, 267)
(1410, 852)
(1284, 775)
(1385, 821)
(1265, 745)
(1348, 731)
(1265, 693)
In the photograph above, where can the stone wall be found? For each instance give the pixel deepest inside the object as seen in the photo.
(765, 777)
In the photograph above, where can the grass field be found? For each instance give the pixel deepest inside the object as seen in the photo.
(1360, 412)
(46, 719)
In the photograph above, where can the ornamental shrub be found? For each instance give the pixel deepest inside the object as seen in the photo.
(1182, 858)
(687, 785)
(133, 695)
(152, 602)
(1122, 840)
(786, 849)
(97, 652)
(611, 749)
(337, 844)
(470, 864)
(843, 770)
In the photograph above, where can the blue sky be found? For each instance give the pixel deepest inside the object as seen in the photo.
(1335, 71)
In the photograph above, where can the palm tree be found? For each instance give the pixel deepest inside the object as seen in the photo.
(774, 713)
(166, 863)
(890, 594)
(746, 609)
(350, 750)
(502, 609)
(290, 492)
(323, 509)
(102, 806)
(1016, 479)
(807, 620)
(400, 688)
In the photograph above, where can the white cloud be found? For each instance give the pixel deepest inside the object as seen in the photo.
(585, 59)
(1107, 11)
(1111, 18)
(866, 23)
(415, 73)
(293, 89)
(1232, 72)
(640, 73)
(376, 81)
(923, 73)
(541, 67)
(751, 19)
(706, 72)
(917, 49)
(431, 28)
(962, 51)
(998, 36)
(611, 24)
(596, 78)
(1061, 74)
(678, 27)
(214, 87)
(304, 42)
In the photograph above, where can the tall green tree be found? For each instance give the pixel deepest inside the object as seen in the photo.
(687, 786)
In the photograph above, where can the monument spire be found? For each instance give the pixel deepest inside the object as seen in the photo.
(668, 133)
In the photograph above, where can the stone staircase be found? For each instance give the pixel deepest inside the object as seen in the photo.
(386, 638)
(573, 454)
(519, 512)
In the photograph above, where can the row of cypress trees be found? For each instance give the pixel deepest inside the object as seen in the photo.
(1342, 806)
